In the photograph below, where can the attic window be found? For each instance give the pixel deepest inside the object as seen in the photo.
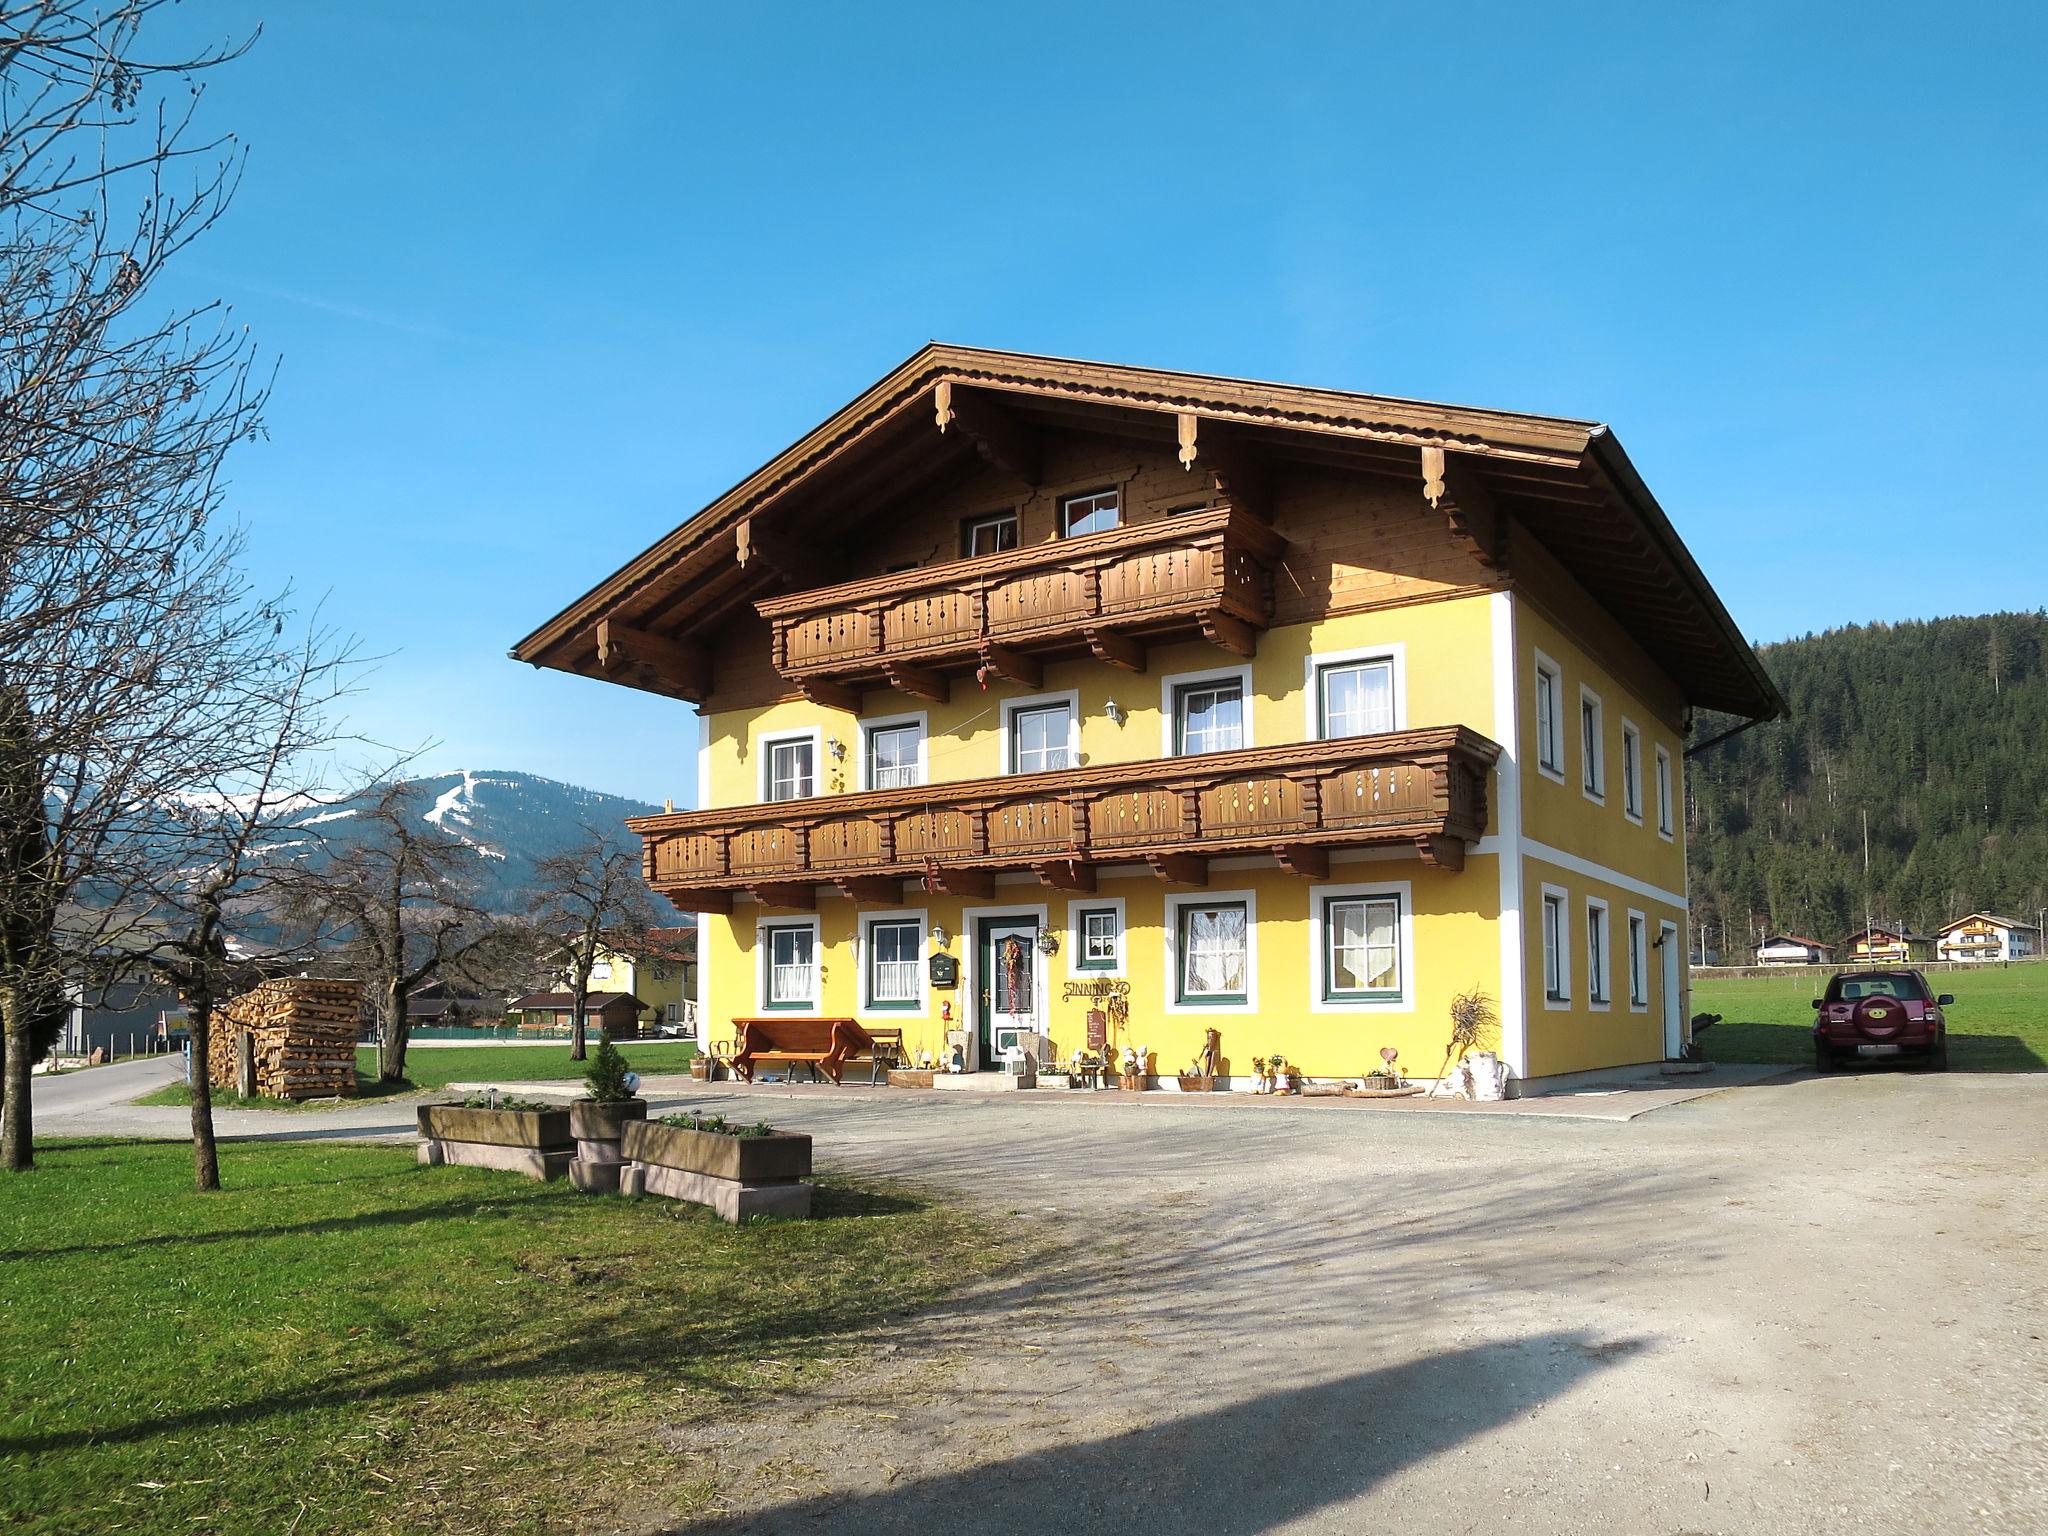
(1095, 512)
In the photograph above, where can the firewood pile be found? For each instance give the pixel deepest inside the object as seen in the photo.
(305, 1033)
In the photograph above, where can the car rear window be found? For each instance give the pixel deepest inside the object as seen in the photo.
(1850, 989)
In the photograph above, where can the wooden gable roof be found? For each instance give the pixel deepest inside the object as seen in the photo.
(930, 420)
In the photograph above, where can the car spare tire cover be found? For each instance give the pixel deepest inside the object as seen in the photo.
(1879, 1018)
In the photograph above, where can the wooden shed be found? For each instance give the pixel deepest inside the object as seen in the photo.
(301, 1034)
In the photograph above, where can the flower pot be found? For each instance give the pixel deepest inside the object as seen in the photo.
(600, 1128)
(590, 1120)
(535, 1142)
(736, 1176)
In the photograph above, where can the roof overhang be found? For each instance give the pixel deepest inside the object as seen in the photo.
(946, 409)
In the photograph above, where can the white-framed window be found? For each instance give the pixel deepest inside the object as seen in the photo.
(892, 962)
(1212, 961)
(1205, 712)
(1599, 975)
(1557, 953)
(789, 765)
(788, 950)
(1665, 826)
(1638, 962)
(1090, 512)
(1361, 948)
(893, 752)
(1593, 744)
(1549, 718)
(1631, 771)
(1095, 936)
(1355, 693)
(989, 535)
(1041, 733)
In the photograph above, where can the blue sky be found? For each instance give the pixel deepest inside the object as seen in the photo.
(544, 280)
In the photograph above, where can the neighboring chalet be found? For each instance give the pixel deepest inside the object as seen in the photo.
(619, 1013)
(1881, 944)
(1792, 949)
(1986, 936)
(1283, 712)
(658, 966)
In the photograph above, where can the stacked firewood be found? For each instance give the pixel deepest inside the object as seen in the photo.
(304, 1031)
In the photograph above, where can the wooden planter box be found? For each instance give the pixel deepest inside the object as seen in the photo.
(1131, 1082)
(1196, 1082)
(535, 1142)
(735, 1175)
(600, 1131)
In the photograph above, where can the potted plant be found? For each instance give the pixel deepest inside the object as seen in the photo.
(489, 1130)
(737, 1170)
(599, 1122)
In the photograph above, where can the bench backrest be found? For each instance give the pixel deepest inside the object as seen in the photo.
(801, 1035)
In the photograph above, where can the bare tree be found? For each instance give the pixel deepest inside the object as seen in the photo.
(587, 898)
(123, 621)
(402, 905)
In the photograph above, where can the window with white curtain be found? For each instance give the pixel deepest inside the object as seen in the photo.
(892, 756)
(790, 769)
(1215, 962)
(1208, 717)
(893, 963)
(1362, 948)
(791, 958)
(1041, 739)
(1355, 698)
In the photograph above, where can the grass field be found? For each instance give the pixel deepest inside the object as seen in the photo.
(344, 1341)
(1999, 1022)
(438, 1066)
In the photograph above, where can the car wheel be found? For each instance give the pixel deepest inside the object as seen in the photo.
(1937, 1059)
(1823, 1058)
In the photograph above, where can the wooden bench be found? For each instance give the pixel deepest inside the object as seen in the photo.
(823, 1045)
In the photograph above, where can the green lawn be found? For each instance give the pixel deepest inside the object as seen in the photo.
(438, 1066)
(344, 1341)
(1999, 1022)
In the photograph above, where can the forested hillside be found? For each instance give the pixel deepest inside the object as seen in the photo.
(1938, 729)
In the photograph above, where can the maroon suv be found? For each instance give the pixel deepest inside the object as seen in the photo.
(1878, 1014)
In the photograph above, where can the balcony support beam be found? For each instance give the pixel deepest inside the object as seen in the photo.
(1179, 868)
(1440, 852)
(1232, 634)
(1468, 508)
(718, 902)
(830, 695)
(971, 884)
(1304, 859)
(796, 896)
(675, 668)
(871, 890)
(918, 682)
(1115, 649)
(998, 435)
(1067, 875)
(1001, 661)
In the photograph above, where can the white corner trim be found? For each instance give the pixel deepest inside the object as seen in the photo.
(1319, 896)
(703, 762)
(1173, 681)
(1586, 867)
(1075, 908)
(1507, 813)
(1395, 652)
(1174, 904)
(917, 717)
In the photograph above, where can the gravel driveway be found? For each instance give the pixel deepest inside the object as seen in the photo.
(1813, 1305)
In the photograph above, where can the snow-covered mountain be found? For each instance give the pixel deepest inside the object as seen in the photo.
(509, 818)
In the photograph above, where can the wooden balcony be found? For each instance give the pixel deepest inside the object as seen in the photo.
(1421, 788)
(1205, 573)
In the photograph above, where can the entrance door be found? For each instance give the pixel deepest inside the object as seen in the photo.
(1674, 1038)
(1009, 985)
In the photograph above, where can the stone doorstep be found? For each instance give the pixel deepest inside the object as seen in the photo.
(730, 1198)
(530, 1161)
(983, 1082)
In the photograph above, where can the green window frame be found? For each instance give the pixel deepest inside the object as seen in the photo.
(897, 943)
(1098, 939)
(1201, 930)
(1358, 946)
(775, 970)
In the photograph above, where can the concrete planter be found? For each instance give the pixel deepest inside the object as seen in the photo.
(600, 1131)
(535, 1142)
(735, 1175)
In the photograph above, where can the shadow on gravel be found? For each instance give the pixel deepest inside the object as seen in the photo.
(1247, 1468)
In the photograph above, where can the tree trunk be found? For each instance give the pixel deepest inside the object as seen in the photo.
(392, 1034)
(17, 1124)
(579, 997)
(205, 1156)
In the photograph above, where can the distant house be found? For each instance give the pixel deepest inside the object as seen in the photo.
(1882, 944)
(1986, 936)
(658, 966)
(618, 1013)
(1794, 949)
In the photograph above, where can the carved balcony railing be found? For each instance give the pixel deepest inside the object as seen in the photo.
(1423, 788)
(1203, 573)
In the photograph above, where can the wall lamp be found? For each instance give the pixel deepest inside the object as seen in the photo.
(939, 935)
(1115, 711)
